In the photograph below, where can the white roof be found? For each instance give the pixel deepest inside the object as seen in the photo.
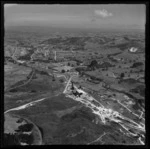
(133, 49)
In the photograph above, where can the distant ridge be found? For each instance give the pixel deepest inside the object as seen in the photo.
(49, 29)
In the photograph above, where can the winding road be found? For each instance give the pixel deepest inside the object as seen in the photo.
(25, 105)
(96, 107)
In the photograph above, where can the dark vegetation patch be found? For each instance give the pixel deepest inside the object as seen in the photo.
(13, 90)
(16, 139)
(42, 72)
(25, 57)
(80, 69)
(41, 85)
(25, 128)
(11, 60)
(121, 46)
(33, 91)
(25, 138)
(93, 65)
(11, 139)
(128, 81)
(127, 38)
(105, 65)
(139, 89)
(92, 77)
(112, 59)
(140, 103)
(20, 120)
(42, 60)
(114, 54)
(68, 41)
(95, 79)
(52, 41)
(137, 64)
(79, 49)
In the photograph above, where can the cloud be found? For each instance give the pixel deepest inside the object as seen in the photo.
(103, 13)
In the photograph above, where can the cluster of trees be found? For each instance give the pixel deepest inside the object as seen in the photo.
(139, 89)
(61, 80)
(136, 64)
(93, 65)
(26, 127)
(63, 71)
(53, 78)
(26, 138)
(25, 57)
(11, 139)
(122, 75)
(70, 64)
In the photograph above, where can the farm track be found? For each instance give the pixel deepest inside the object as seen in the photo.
(28, 81)
(100, 111)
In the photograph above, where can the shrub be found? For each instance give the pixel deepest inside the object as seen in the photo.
(61, 80)
(122, 75)
(136, 64)
(63, 71)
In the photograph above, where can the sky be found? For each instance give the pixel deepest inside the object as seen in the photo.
(128, 16)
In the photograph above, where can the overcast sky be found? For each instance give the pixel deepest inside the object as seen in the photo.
(82, 16)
